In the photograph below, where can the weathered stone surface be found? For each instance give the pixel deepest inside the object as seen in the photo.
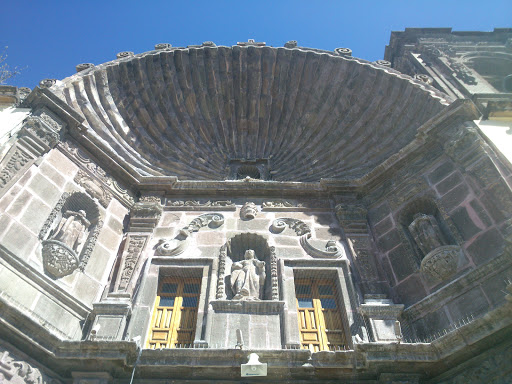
(471, 303)
(403, 263)
(486, 246)
(448, 183)
(477, 207)
(410, 290)
(441, 172)
(383, 226)
(378, 213)
(431, 323)
(455, 196)
(464, 224)
(389, 241)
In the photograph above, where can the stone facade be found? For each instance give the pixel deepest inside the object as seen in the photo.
(167, 214)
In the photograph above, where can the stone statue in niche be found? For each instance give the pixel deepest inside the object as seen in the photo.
(440, 259)
(71, 229)
(426, 232)
(248, 277)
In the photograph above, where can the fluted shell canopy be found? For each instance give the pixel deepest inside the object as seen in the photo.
(190, 112)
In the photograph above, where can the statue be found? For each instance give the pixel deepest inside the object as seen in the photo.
(71, 229)
(247, 277)
(426, 232)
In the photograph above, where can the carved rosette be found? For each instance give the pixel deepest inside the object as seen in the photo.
(84, 66)
(58, 259)
(124, 54)
(161, 46)
(441, 263)
(383, 63)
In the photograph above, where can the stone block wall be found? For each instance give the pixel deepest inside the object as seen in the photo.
(24, 209)
(472, 214)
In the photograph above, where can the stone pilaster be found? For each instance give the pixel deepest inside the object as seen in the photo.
(352, 218)
(36, 137)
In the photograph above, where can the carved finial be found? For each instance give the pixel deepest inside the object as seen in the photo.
(162, 46)
(424, 78)
(122, 55)
(47, 83)
(251, 42)
(84, 66)
(343, 51)
(383, 63)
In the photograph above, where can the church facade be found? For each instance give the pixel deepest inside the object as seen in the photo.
(261, 214)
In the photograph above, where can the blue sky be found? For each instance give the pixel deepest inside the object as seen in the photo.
(49, 38)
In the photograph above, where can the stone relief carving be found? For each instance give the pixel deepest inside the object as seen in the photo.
(333, 250)
(278, 204)
(150, 199)
(300, 228)
(383, 63)
(248, 211)
(68, 236)
(97, 176)
(196, 203)
(94, 187)
(248, 277)
(133, 249)
(424, 78)
(34, 125)
(176, 246)
(14, 370)
(221, 289)
(441, 260)
(15, 163)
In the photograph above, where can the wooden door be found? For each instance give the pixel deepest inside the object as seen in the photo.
(174, 318)
(320, 322)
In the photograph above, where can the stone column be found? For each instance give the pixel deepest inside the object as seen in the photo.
(110, 316)
(383, 316)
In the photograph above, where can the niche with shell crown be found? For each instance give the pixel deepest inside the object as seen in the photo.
(247, 269)
(430, 235)
(69, 234)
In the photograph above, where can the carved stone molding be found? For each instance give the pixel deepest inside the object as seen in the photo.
(273, 273)
(133, 248)
(95, 188)
(248, 211)
(352, 217)
(42, 129)
(196, 205)
(441, 263)
(279, 225)
(101, 178)
(221, 287)
(144, 216)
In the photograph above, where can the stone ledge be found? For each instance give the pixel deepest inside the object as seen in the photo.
(248, 307)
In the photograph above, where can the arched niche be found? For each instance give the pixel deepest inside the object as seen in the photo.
(69, 234)
(234, 250)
